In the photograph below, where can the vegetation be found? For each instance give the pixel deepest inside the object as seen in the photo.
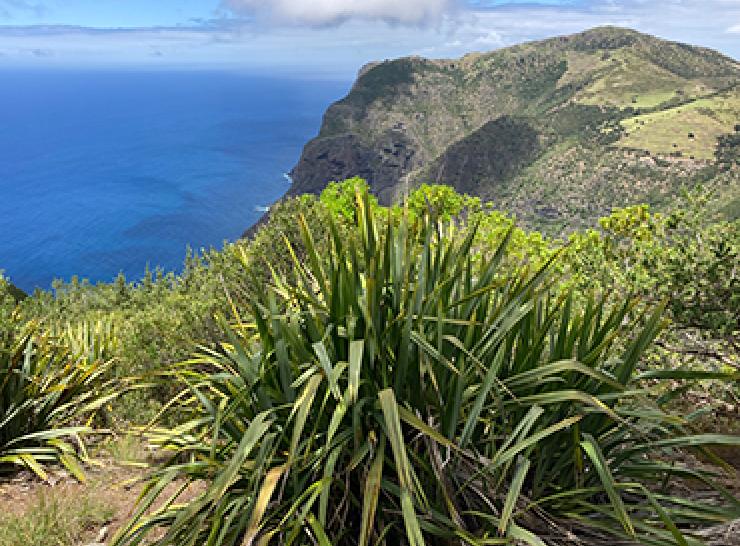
(48, 385)
(728, 150)
(689, 130)
(338, 197)
(548, 195)
(511, 142)
(423, 373)
(437, 372)
(53, 520)
(7, 301)
(557, 131)
(10, 293)
(688, 256)
(395, 391)
(671, 257)
(386, 78)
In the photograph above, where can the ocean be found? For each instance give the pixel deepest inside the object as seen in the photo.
(102, 172)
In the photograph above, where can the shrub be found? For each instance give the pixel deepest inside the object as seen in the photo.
(441, 201)
(683, 257)
(395, 391)
(339, 197)
(7, 300)
(48, 385)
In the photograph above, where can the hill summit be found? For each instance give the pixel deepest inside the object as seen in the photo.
(558, 131)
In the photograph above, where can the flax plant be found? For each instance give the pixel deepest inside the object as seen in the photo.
(395, 390)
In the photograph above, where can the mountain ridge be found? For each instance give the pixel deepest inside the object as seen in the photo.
(483, 121)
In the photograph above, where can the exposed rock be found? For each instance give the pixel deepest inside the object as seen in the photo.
(383, 164)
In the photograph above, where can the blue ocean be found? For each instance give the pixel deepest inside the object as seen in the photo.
(107, 172)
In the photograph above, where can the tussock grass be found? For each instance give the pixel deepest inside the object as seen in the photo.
(50, 383)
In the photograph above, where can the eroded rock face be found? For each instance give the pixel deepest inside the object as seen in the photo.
(391, 157)
(332, 158)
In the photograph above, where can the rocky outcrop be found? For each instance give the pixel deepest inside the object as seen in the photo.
(383, 163)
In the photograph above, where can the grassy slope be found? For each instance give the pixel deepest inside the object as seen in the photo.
(627, 78)
(573, 184)
(691, 129)
(54, 520)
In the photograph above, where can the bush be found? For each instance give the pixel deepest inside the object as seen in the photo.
(339, 198)
(7, 300)
(395, 391)
(48, 385)
(683, 256)
(441, 202)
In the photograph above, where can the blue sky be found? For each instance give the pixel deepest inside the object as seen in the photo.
(104, 13)
(332, 37)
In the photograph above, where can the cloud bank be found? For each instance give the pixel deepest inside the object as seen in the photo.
(333, 12)
(243, 41)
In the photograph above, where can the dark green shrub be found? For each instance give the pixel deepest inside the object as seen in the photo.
(392, 390)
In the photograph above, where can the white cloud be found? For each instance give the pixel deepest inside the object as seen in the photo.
(489, 40)
(248, 43)
(331, 12)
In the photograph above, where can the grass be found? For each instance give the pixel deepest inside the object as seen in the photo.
(691, 129)
(127, 450)
(624, 79)
(54, 519)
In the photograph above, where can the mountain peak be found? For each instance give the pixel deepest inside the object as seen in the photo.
(572, 113)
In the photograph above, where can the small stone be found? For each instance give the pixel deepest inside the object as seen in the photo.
(103, 534)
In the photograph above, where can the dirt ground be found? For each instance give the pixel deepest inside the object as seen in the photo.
(113, 486)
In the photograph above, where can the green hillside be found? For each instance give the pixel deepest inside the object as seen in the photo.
(539, 127)
(689, 130)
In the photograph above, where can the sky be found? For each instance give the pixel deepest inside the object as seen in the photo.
(324, 37)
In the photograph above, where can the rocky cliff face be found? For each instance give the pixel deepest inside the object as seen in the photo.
(482, 122)
(383, 163)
